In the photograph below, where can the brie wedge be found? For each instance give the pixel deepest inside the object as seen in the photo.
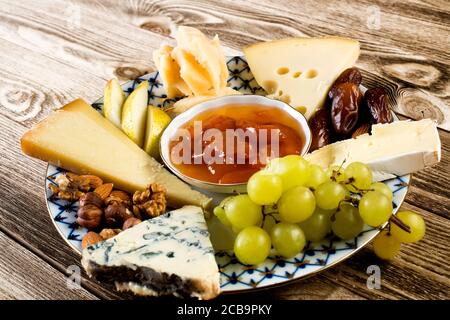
(393, 149)
(167, 255)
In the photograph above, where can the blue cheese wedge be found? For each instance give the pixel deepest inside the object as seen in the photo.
(167, 255)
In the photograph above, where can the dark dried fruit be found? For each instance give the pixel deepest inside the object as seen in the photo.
(350, 75)
(321, 127)
(362, 129)
(375, 101)
(345, 108)
(115, 215)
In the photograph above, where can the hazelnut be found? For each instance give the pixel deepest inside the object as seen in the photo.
(115, 215)
(91, 198)
(90, 238)
(130, 222)
(109, 233)
(89, 216)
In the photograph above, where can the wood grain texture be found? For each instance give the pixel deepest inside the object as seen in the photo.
(55, 51)
(45, 282)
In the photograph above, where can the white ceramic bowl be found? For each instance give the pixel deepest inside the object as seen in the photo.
(235, 101)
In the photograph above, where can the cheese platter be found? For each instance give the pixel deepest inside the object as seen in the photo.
(124, 188)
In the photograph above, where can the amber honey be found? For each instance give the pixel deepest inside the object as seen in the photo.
(221, 157)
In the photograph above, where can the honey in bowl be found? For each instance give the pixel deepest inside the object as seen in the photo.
(227, 145)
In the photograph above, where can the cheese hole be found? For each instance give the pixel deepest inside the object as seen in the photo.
(311, 74)
(297, 74)
(282, 70)
(270, 86)
(301, 109)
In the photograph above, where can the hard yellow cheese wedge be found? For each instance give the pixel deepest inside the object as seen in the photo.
(300, 71)
(79, 139)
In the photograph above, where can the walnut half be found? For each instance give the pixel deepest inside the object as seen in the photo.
(150, 203)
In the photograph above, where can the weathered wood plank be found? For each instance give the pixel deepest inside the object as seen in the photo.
(50, 57)
(420, 271)
(429, 188)
(419, 82)
(16, 267)
(24, 217)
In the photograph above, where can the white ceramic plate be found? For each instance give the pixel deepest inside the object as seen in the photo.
(234, 275)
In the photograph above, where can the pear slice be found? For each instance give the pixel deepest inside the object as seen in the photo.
(113, 101)
(134, 114)
(157, 121)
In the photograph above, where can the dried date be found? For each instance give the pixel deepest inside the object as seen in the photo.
(376, 106)
(350, 75)
(320, 124)
(345, 108)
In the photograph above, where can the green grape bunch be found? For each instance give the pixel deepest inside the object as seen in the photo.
(291, 202)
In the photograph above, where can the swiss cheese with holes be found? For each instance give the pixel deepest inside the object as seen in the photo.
(300, 71)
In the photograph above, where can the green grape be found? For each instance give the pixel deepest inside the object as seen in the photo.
(318, 225)
(252, 245)
(317, 176)
(329, 195)
(242, 212)
(296, 205)
(416, 225)
(293, 170)
(375, 208)
(358, 176)
(219, 212)
(347, 223)
(236, 229)
(287, 239)
(264, 188)
(386, 246)
(383, 188)
(335, 173)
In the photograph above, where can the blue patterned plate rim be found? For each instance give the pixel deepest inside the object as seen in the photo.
(231, 282)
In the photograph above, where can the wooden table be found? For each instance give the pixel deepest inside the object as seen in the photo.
(55, 51)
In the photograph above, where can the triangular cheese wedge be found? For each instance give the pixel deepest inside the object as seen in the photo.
(77, 138)
(300, 71)
(393, 149)
(167, 255)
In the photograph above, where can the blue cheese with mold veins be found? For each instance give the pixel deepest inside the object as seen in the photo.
(169, 254)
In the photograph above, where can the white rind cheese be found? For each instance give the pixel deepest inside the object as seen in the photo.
(300, 71)
(173, 251)
(393, 149)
